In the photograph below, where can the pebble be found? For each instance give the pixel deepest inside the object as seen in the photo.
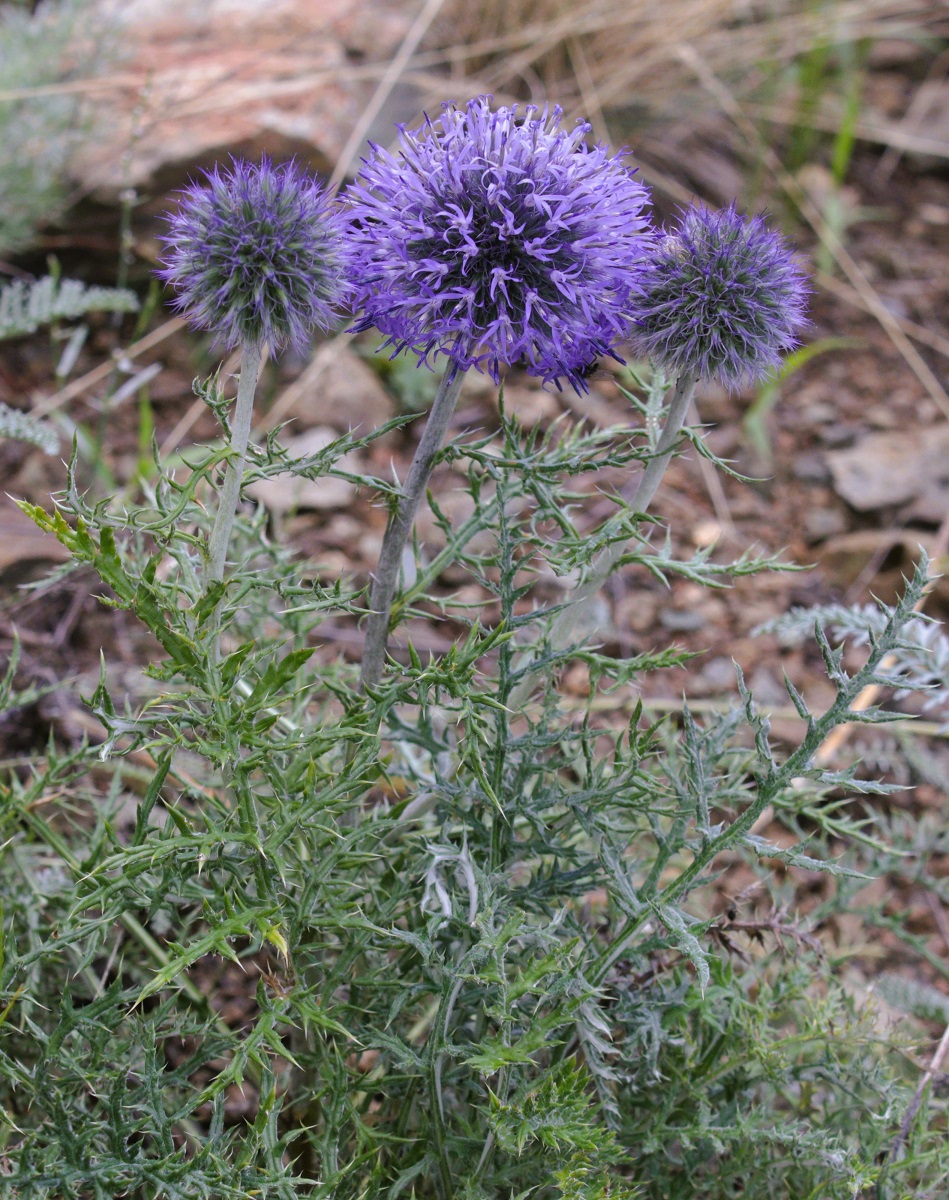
(881, 416)
(823, 523)
(811, 467)
(718, 675)
(638, 611)
(838, 435)
(766, 689)
(706, 533)
(682, 620)
(819, 413)
(934, 214)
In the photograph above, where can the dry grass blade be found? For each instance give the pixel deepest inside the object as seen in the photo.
(631, 48)
(388, 81)
(75, 87)
(919, 333)
(898, 138)
(828, 237)
(98, 374)
(907, 133)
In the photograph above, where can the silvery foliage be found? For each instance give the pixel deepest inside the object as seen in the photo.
(40, 130)
(24, 308)
(919, 661)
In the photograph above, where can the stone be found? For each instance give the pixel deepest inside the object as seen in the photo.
(337, 390)
(638, 611)
(822, 523)
(682, 620)
(810, 466)
(531, 406)
(837, 436)
(706, 533)
(767, 690)
(717, 676)
(890, 469)
(204, 78)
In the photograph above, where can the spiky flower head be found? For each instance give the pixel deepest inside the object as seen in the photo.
(493, 238)
(721, 297)
(256, 254)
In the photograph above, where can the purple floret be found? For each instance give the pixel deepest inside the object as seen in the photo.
(721, 297)
(257, 255)
(491, 238)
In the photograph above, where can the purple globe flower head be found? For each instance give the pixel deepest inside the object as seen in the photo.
(257, 254)
(721, 297)
(492, 238)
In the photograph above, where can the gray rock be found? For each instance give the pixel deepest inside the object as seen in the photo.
(821, 523)
(200, 79)
(887, 469)
(811, 467)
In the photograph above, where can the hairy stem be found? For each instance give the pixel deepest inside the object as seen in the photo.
(240, 436)
(564, 624)
(400, 524)
(682, 394)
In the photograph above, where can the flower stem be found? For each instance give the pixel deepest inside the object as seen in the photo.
(400, 524)
(240, 436)
(564, 624)
(656, 467)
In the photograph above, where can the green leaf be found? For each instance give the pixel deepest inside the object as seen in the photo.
(277, 675)
(215, 941)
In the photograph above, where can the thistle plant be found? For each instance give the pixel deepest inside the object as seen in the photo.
(719, 296)
(257, 259)
(453, 933)
(489, 239)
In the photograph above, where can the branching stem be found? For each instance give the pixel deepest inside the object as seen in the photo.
(774, 779)
(564, 624)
